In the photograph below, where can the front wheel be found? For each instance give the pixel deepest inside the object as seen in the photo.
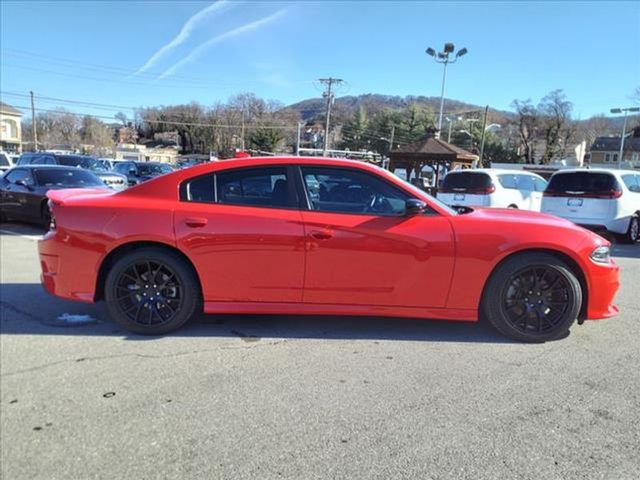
(532, 297)
(151, 291)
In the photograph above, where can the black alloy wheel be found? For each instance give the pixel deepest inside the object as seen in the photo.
(532, 297)
(151, 291)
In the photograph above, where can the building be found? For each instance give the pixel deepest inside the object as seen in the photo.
(10, 129)
(605, 150)
(142, 153)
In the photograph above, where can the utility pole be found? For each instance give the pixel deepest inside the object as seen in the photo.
(484, 134)
(328, 94)
(298, 131)
(242, 130)
(393, 134)
(33, 124)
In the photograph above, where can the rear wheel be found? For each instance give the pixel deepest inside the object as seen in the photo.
(633, 232)
(532, 297)
(151, 291)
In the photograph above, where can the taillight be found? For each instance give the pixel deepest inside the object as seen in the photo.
(608, 194)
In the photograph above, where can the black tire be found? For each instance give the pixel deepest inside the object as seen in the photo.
(532, 297)
(3, 216)
(633, 232)
(513, 206)
(152, 291)
(45, 215)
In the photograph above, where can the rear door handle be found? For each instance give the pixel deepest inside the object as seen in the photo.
(321, 234)
(195, 222)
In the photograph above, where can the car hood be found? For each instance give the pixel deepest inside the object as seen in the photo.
(513, 215)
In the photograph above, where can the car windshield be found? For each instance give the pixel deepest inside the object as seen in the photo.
(464, 181)
(421, 193)
(153, 168)
(67, 178)
(88, 163)
(582, 182)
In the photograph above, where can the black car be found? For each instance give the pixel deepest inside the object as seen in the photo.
(23, 190)
(113, 180)
(138, 172)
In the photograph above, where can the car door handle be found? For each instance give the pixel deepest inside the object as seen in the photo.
(195, 222)
(321, 234)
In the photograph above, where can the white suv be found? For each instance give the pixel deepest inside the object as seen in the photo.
(486, 187)
(598, 199)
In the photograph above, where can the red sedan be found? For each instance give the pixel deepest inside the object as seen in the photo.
(318, 236)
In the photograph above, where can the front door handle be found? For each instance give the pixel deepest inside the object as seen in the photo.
(321, 234)
(195, 222)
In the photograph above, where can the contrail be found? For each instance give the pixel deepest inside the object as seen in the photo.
(196, 52)
(184, 33)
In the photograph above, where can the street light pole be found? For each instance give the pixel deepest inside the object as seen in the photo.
(624, 129)
(445, 58)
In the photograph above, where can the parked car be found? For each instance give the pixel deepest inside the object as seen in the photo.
(113, 180)
(23, 190)
(138, 172)
(319, 236)
(493, 188)
(598, 199)
(5, 162)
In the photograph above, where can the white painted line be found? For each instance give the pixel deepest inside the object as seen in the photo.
(22, 235)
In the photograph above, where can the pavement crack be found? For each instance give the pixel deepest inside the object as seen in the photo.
(140, 355)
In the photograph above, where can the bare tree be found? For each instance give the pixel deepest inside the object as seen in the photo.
(557, 127)
(528, 124)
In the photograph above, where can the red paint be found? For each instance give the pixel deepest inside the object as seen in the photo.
(287, 261)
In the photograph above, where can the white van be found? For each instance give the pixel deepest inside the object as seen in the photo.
(487, 187)
(598, 199)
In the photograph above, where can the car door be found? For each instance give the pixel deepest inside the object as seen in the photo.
(243, 230)
(17, 199)
(362, 250)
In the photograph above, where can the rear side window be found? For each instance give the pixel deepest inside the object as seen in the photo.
(261, 187)
(4, 160)
(508, 180)
(632, 182)
(539, 184)
(201, 189)
(582, 183)
(466, 181)
(19, 174)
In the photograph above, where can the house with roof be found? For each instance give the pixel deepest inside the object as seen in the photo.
(10, 129)
(605, 150)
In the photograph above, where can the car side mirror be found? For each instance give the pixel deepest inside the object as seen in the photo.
(413, 206)
(24, 184)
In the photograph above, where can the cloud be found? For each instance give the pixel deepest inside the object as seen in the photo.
(200, 49)
(184, 33)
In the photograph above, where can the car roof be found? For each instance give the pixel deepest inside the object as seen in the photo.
(48, 167)
(597, 170)
(495, 170)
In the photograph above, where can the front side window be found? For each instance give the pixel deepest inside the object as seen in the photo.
(349, 191)
(260, 187)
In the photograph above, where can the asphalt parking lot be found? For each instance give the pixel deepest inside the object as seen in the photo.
(309, 397)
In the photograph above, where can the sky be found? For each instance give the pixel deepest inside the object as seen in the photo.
(126, 54)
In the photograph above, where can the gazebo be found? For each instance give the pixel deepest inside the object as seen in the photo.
(431, 152)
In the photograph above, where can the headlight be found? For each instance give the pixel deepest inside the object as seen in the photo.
(601, 254)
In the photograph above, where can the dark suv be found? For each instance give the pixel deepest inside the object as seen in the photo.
(138, 172)
(111, 179)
